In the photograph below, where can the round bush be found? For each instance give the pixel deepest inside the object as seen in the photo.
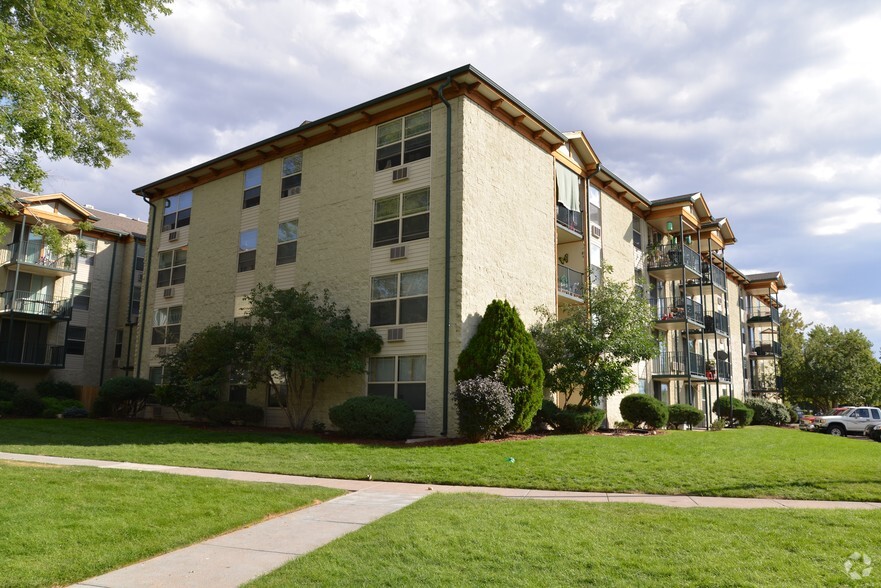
(200, 410)
(228, 413)
(27, 404)
(767, 412)
(723, 405)
(53, 407)
(641, 409)
(743, 416)
(546, 416)
(8, 390)
(125, 395)
(56, 389)
(579, 419)
(5, 407)
(374, 416)
(485, 407)
(685, 414)
(793, 414)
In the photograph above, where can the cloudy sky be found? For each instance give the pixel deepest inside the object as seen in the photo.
(771, 109)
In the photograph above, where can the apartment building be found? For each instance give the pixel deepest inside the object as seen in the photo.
(417, 209)
(69, 315)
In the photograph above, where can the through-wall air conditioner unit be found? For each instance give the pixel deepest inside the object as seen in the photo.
(292, 191)
(398, 252)
(395, 334)
(596, 232)
(162, 351)
(172, 236)
(399, 174)
(168, 293)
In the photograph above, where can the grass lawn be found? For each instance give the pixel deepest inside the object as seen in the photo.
(470, 540)
(752, 462)
(60, 525)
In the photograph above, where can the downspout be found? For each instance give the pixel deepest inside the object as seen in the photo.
(21, 241)
(447, 251)
(148, 255)
(107, 313)
(128, 308)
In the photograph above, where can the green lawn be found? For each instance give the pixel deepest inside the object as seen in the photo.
(470, 540)
(60, 525)
(757, 461)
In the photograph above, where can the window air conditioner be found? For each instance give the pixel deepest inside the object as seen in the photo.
(399, 174)
(399, 252)
(172, 236)
(596, 232)
(162, 351)
(293, 191)
(168, 293)
(395, 334)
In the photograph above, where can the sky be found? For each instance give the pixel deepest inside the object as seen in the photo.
(772, 110)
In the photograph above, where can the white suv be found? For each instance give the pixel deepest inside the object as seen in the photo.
(851, 422)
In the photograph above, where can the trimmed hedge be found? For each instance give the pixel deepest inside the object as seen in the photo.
(722, 406)
(56, 389)
(8, 390)
(642, 409)
(228, 413)
(125, 396)
(767, 412)
(52, 407)
(743, 416)
(377, 417)
(685, 414)
(579, 419)
(27, 404)
(484, 406)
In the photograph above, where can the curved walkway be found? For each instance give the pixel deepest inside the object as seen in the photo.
(240, 556)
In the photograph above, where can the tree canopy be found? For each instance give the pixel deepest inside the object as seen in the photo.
(62, 75)
(590, 350)
(840, 369)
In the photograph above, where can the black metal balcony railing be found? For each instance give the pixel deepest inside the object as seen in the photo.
(759, 313)
(768, 348)
(32, 355)
(570, 282)
(717, 323)
(715, 276)
(34, 253)
(765, 383)
(35, 304)
(574, 221)
(720, 371)
(673, 256)
(674, 363)
(678, 309)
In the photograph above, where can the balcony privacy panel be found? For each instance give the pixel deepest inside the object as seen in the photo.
(567, 188)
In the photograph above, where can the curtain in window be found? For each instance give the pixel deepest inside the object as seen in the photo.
(567, 189)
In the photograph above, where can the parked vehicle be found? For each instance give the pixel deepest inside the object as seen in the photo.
(850, 422)
(806, 421)
(874, 432)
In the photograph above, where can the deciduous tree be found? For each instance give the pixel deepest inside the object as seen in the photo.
(840, 368)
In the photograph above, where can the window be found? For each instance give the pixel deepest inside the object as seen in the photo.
(637, 233)
(172, 267)
(247, 250)
(291, 175)
(135, 308)
(274, 400)
(91, 247)
(286, 251)
(238, 387)
(398, 377)
(157, 375)
(166, 325)
(399, 299)
(82, 291)
(409, 137)
(76, 340)
(400, 218)
(177, 211)
(593, 204)
(253, 179)
(117, 346)
(596, 263)
(876, 414)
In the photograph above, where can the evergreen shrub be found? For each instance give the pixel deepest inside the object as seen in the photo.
(642, 409)
(377, 417)
(685, 414)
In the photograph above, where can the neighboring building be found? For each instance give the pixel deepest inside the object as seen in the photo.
(417, 209)
(72, 316)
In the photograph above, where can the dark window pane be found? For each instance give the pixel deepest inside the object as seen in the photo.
(75, 347)
(81, 302)
(183, 218)
(381, 390)
(291, 185)
(414, 310)
(168, 221)
(252, 197)
(238, 393)
(412, 394)
(286, 253)
(382, 313)
(247, 260)
(414, 227)
(164, 278)
(385, 233)
(178, 275)
(158, 337)
(173, 335)
(389, 156)
(418, 148)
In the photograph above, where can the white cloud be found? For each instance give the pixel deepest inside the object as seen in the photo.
(845, 216)
(862, 314)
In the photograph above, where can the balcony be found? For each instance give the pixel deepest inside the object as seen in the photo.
(35, 305)
(666, 262)
(762, 314)
(34, 258)
(672, 365)
(721, 372)
(40, 356)
(570, 225)
(711, 276)
(570, 283)
(767, 350)
(716, 324)
(767, 383)
(672, 314)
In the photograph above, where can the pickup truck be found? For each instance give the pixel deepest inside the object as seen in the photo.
(850, 422)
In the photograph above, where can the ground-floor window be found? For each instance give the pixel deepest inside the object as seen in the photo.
(400, 377)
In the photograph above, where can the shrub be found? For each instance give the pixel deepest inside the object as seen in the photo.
(793, 414)
(485, 407)
(75, 413)
(743, 416)
(546, 415)
(228, 413)
(723, 405)
(200, 410)
(5, 407)
(102, 407)
(718, 424)
(53, 407)
(126, 396)
(579, 419)
(623, 426)
(27, 404)
(685, 414)
(641, 409)
(502, 334)
(56, 389)
(374, 416)
(8, 389)
(768, 413)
